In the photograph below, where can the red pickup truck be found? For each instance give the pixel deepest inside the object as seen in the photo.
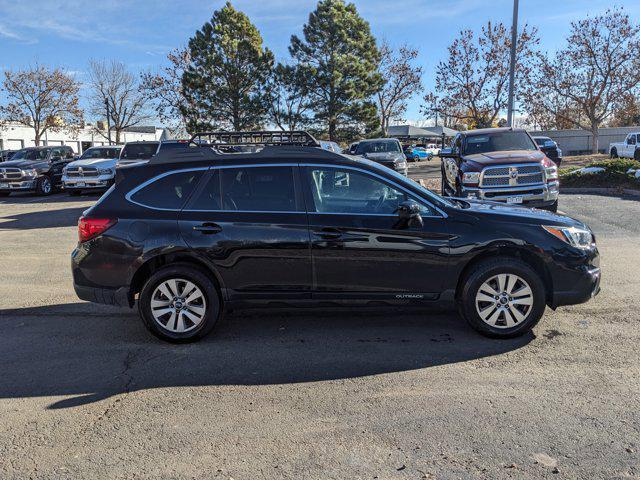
(500, 164)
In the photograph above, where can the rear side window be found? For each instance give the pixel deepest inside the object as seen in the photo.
(168, 192)
(253, 189)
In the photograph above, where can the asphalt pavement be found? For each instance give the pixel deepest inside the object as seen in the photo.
(86, 392)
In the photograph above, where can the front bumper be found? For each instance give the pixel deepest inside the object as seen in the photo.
(17, 185)
(538, 195)
(586, 286)
(87, 183)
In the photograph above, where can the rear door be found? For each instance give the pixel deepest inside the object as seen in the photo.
(249, 222)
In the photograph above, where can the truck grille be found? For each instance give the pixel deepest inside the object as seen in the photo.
(511, 176)
(10, 174)
(82, 172)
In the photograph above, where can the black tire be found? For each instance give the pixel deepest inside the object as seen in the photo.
(485, 271)
(202, 280)
(636, 154)
(416, 158)
(443, 182)
(614, 153)
(44, 186)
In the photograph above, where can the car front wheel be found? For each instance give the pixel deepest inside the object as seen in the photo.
(44, 186)
(179, 303)
(502, 298)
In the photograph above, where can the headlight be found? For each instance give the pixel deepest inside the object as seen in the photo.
(471, 178)
(551, 173)
(105, 171)
(559, 152)
(30, 173)
(574, 236)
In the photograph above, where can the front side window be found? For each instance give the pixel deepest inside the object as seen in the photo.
(632, 139)
(168, 192)
(100, 152)
(350, 192)
(249, 189)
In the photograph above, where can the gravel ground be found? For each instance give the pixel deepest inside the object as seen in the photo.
(86, 392)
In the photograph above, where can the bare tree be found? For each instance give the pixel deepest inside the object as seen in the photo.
(165, 91)
(112, 83)
(401, 81)
(43, 99)
(288, 97)
(473, 81)
(599, 65)
(627, 112)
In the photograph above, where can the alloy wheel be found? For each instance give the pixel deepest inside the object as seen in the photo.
(178, 305)
(504, 300)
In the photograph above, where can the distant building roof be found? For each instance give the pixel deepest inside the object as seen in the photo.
(141, 129)
(417, 132)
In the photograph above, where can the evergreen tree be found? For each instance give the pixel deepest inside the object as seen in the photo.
(339, 58)
(225, 80)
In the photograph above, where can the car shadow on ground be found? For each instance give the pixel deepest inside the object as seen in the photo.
(64, 217)
(89, 352)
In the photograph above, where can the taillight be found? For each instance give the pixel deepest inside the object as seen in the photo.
(89, 228)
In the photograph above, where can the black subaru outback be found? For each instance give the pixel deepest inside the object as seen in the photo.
(290, 223)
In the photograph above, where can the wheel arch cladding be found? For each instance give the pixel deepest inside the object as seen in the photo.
(509, 251)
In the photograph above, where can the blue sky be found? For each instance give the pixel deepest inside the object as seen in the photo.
(140, 32)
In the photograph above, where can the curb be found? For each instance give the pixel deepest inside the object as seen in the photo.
(602, 191)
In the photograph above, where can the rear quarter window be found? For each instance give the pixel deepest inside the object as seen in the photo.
(169, 192)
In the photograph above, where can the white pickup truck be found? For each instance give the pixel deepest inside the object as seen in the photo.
(630, 148)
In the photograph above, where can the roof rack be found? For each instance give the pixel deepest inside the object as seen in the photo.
(218, 139)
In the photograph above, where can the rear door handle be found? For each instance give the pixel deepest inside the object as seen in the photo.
(208, 228)
(328, 233)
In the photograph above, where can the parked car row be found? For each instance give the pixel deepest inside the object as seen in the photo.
(43, 170)
(188, 236)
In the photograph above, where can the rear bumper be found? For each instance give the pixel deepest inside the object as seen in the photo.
(532, 195)
(107, 296)
(586, 286)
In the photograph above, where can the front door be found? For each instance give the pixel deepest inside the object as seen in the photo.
(249, 222)
(360, 247)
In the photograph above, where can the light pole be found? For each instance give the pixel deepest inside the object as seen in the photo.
(512, 64)
(106, 104)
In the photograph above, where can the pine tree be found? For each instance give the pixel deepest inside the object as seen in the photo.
(225, 80)
(339, 57)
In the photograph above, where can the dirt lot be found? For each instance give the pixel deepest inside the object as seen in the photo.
(86, 392)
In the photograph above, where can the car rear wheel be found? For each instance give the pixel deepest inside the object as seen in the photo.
(502, 298)
(614, 153)
(44, 186)
(179, 303)
(416, 158)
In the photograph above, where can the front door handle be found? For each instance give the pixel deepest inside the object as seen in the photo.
(328, 233)
(208, 228)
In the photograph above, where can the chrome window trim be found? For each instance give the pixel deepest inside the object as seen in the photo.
(258, 165)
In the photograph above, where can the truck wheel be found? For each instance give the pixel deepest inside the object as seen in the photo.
(553, 207)
(443, 183)
(502, 298)
(614, 153)
(636, 155)
(44, 186)
(179, 303)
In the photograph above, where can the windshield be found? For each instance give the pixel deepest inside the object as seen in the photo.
(99, 152)
(498, 142)
(139, 150)
(37, 154)
(377, 147)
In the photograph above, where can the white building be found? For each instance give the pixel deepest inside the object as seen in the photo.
(14, 136)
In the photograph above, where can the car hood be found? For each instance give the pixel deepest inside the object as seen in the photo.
(500, 211)
(384, 156)
(23, 164)
(94, 162)
(512, 156)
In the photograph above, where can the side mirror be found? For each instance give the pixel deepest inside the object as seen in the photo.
(409, 215)
(448, 152)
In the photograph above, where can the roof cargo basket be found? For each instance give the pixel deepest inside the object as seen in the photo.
(223, 139)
